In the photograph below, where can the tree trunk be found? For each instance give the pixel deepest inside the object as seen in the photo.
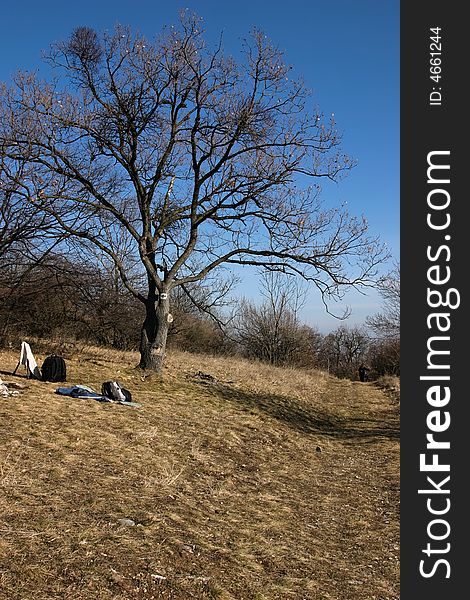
(154, 334)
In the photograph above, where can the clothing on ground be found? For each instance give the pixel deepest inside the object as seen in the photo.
(27, 359)
(83, 391)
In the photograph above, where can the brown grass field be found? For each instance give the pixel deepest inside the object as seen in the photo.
(258, 483)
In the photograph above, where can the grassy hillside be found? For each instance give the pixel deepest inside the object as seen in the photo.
(240, 481)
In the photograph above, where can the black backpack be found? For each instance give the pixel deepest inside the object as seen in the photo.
(115, 391)
(54, 369)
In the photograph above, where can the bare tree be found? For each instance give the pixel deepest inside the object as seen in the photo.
(344, 349)
(272, 331)
(384, 353)
(197, 159)
(383, 357)
(27, 234)
(387, 323)
(24, 227)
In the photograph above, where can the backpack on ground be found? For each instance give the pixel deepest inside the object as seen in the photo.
(115, 391)
(54, 369)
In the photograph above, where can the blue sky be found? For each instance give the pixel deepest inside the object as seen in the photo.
(347, 52)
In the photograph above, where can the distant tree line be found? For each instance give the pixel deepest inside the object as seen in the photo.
(272, 332)
(57, 298)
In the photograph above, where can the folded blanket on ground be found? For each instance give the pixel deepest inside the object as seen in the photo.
(83, 391)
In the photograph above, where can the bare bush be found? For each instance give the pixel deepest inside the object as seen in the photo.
(58, 298)
(384, 357)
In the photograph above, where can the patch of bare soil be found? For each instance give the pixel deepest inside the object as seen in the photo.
(231, 481)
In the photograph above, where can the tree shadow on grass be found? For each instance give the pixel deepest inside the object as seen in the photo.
(309, 420)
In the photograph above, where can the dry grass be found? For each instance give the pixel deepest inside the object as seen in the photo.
(254, 483)
(390, 384)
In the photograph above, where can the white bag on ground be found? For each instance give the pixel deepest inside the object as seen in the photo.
(27, 359)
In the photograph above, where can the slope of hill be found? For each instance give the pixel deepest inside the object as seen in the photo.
(231, 481)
